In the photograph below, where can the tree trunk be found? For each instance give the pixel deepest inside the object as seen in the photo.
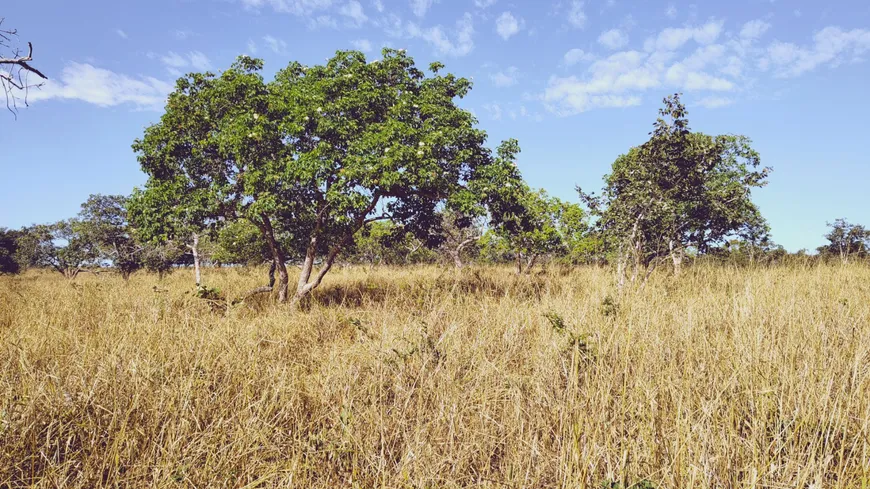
(194, 248)
(676, 257)
(278, 259)
(457, 260)
(272, 268)
(519, 261)
(530, 263)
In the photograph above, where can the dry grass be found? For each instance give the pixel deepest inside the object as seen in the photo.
(423, 377)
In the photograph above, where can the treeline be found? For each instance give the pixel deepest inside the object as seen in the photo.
(374, 162)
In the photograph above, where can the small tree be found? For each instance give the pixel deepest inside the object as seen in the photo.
(846, 240)
(537, 229)
(461, 232)
(9, 251)
(15, 68)
(62, 246)
(103, 221)
(316, 155)
(678, 190)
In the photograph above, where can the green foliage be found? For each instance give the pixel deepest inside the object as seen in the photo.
(103, 222)
(542, 225)
(642, 484)
(679, 190)
(63, 246)
(313, 156)
(9, 251)
(384, 242)
(240, 243)
(846, 240)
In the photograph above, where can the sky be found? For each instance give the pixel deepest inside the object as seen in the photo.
(576, 82)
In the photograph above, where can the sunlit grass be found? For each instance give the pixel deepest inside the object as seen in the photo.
(425, 377)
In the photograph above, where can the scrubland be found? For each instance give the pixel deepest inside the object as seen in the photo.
(428, 377)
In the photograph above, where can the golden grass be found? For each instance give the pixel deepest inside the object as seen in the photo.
(424, 377)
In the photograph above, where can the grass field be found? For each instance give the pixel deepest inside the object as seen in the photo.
(425, 377)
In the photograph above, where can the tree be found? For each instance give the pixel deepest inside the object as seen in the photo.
(317, 154)
(384, 242)
(461, 232)
(9, 251)
(62, 246)
(678, 190)
(240, 243)
(542, 225)
(160, 258)
(103, 221)
(15, 67)
(846, 240)
(170, 216)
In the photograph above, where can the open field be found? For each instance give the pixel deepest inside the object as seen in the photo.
(425, 377)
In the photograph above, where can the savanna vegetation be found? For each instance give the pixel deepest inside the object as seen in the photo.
(331, 279)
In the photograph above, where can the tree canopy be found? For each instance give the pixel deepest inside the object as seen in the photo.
(679, 189)
(316, 154)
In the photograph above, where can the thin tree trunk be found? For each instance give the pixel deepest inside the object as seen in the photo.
(278, 259)
(530, 263)
(519, 263)
(457, 253)
(194, 248)
(676, 257)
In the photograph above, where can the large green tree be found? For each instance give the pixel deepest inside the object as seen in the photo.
(317, 154)
(680, 189)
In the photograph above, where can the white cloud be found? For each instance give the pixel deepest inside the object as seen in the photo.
(461, 44)
(175, 62)
(121, 33)
(671, 39)
(671, 12)
(277, 46)
(505, 78)
(484, 3)
(199, 61)
(613, 39)
(420, 7)
(252, 47)
(322, 21)
(577, 55)
(831, 46)
(507, 25)
(363, 45)
(297, 7)
(754, 29)
(576, 15)
(104, 88)
(353, 10)
(494, 111)
(715, 102)
(378, 5)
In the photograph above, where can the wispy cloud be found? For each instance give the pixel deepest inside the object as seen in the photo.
(121, 33)
(831, 46)
(506, 78)
(278, 46)
(175, 62)
(576, 55)
(613, 39)
(576, 14)
(420, 7)
(363, 45)
(459, 44)
(506, 25)
(353, 13)
(104, 88)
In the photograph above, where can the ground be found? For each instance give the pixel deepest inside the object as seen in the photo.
(429, 377)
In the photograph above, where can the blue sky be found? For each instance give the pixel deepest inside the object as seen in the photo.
(577, 82)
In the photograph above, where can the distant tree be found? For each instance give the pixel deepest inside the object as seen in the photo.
(537, 228)
(62, 246)
(846, 240)
(679, 190)
(103, 221)
(316, 155)
(461, 232)
(161, 258)
(15, 68)
(384, 242)
(9, 251)
(169, 216)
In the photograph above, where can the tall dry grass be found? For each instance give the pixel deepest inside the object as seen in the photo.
(422, 377)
